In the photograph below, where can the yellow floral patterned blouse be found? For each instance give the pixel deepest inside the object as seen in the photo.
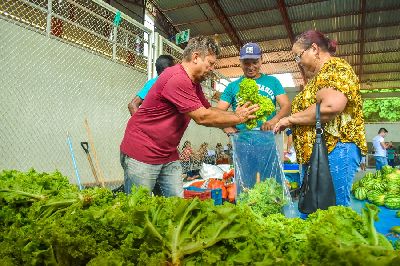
(346, 127)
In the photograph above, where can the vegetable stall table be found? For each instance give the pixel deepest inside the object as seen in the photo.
(386, 218)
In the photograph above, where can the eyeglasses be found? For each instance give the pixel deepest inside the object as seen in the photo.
(297, 58)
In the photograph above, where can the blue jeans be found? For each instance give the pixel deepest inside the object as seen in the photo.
(380, 162)
(161, 179)
(344, 160)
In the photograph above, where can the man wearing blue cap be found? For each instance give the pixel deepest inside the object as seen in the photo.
(269, 86)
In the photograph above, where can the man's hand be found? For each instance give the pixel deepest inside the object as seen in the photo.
(230, 130)
(269, 125)
(246, 111)
(282, 124)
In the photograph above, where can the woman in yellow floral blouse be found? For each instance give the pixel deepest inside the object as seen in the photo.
(334, 84)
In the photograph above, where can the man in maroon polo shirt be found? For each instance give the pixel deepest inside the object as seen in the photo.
(149, 153)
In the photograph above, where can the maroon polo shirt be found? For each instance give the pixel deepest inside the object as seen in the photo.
(155, 130)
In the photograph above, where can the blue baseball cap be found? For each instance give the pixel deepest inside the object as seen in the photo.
(250, 51)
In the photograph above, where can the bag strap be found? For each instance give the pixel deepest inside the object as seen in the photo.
(318, 124)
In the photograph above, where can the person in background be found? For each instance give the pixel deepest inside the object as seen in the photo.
(380, 147)
(211, 156)
(289, 153)
(149, 154)
(199, 158)
(221, 157)
(229, 153)
(162, 62)
(269, 86)
(185, 158)
(391, 153)
(335, 85)
(363, 163)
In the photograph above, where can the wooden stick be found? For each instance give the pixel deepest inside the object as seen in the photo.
(258, 177)
(91, 143)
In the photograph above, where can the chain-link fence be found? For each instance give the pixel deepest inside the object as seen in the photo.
(62, 62)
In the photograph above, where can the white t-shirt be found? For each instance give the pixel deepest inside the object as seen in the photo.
(379, 151)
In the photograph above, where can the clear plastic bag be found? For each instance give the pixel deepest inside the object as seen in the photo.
(256, 158)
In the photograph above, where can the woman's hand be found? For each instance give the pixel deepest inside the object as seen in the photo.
(269, 125)
(282, 125)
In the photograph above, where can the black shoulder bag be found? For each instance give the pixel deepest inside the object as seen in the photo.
(317, 191)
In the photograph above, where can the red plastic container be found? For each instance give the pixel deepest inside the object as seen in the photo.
(203, 195)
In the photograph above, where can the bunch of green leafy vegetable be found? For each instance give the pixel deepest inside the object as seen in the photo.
(248, 92)
(58, 225)
(265, 198)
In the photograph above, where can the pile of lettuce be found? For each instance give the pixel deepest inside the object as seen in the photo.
(265, 198)
(46, 221)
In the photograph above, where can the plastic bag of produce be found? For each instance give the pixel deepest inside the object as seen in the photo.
(256, 159)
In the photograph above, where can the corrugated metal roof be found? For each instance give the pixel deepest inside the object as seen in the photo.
(384, 84)
(275, 45)
(344, 36)
(290, 3)
(274, 32)
(166, 4)
(275, 68)
(381, 76)
(386, 57)
(228, 51)
(322, 9)
(348, 49)
(381, 68)
(224, 39)
(327, 25)
(257, 19)
(193, 13)
(382, 32)
(352, 59)
(382, 46)
(278, 56)
(205, 28)
(338, 19)
(233, 7)
(266, 47)
(227, 62)
(373, 5)
(377, 18)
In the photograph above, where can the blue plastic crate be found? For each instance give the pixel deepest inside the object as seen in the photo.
(216, 194)
(291, 166)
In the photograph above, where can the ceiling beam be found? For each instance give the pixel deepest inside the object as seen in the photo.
(195, 22)
(223, 19)
(288, 26)
(164, 21)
